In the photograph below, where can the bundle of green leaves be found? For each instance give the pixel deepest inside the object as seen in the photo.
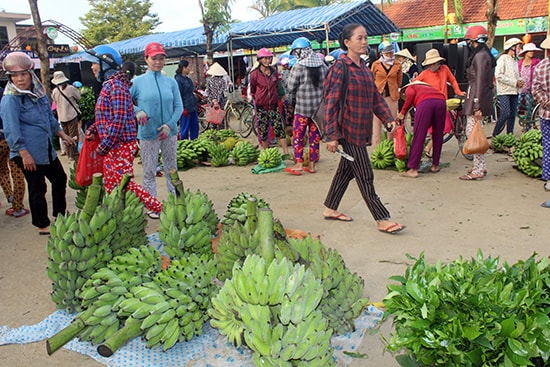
(471, 313)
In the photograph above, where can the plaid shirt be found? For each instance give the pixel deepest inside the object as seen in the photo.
(363, 101)
(541, 87)
(114, 113)
(308, 96)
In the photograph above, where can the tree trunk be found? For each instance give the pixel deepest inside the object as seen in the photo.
(492, 17)
(42, 50)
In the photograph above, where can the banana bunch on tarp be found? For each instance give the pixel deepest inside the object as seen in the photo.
(528, 153)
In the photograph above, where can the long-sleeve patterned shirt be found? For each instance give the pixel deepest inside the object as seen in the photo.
(308, 96)
(114, 113)
(363, 102)
(541, 87)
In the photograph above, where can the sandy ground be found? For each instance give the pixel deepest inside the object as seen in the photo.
(446, 218)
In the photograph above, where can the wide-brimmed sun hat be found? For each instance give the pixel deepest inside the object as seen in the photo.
(216, 70)
(405, 53)
(529, 47)
(59, 78)
(432, 56)
(511, 43)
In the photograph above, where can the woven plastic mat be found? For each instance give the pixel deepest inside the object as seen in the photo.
(208, 350)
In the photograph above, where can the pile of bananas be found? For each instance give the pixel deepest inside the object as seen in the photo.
(186, 156)
(503, 141)
(219, 155)
(270, 157)
(102, 294)
(187, 223)
(224, 134)
(236, 209)
(383, 155)
(528, 153)
(172, 307)
(236, 242)
(81, 243)
(272, 308)
(342, 300)
(244, 153)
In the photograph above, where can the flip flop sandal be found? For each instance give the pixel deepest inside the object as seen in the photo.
(306, 169)
(546, 188)
(293, 172)
(339, 217)
(398, 228)
(470, 177)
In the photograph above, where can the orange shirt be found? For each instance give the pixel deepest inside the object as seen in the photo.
(439, 79)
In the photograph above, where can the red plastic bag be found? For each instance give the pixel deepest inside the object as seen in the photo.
(89, 162)
(399, 143)
(214, 115)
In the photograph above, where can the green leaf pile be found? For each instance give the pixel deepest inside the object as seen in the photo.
(471, 313)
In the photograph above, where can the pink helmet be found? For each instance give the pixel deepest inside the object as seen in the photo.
(264, 52)
(17, 61)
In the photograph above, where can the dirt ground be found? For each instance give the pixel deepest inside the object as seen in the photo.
(446, 218)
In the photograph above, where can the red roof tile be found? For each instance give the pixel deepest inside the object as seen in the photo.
(425, 13)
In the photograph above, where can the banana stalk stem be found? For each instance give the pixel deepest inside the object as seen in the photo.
(178, 184)
(251, 214)
(92, 197)
(265, 228)
(131, 329)
(68, 333)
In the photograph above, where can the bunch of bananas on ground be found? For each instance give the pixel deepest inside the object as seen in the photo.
(244, 153)
(219, 155)
(131, 220)
(187, 223)
(383, 155)
(170, 308)
(230, 143)
(270, 157)
(236, 209)
(272, 308)
(186, 155)
(343, 299)
(528, 153)
(503, 141)
(225, 134)
(102, 294)
(77, 247)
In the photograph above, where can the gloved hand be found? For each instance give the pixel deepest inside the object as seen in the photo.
(142, 118)
(163, 130)
(185, 113)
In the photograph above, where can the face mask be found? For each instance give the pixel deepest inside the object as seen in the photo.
(388, 60)
(434, 68)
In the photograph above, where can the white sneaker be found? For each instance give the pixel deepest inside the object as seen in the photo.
(153, 215)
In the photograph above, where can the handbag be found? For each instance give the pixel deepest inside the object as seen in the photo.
(400, 142)
(214, 114)
(89, 162)
(477, 142)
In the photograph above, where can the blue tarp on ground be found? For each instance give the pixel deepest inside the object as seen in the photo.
(276, 30)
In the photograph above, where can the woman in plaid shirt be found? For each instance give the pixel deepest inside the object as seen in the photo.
(354, 131)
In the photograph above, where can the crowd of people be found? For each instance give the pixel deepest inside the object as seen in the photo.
(348, 98)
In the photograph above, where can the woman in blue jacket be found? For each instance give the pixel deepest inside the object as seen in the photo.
(29, 126)
(158, 110)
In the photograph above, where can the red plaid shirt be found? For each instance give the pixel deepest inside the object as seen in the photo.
(114, 113)
(362, 102)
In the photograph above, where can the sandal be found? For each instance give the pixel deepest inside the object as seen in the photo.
(470, 177)
(547, 186)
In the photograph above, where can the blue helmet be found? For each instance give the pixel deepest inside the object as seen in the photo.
(300, 42)
(293, 60)
(77, 84)
(107, 55)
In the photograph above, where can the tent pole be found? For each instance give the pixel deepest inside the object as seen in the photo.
(326, 37)
(230, 58)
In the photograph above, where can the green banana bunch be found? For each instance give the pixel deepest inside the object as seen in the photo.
(244, 153)
(186, 155)
(401, 165)
(225, 134)
(342, 300)
(383, 155)
(236, 209)
(219, 155)
(528, 153)
(270, 157)
(500, 142)
(81, 191)
(187, 224)
(236, 242)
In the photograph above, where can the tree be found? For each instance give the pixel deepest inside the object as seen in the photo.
(116, 20)
(491, 13)
(216, 16)
(42, 50)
